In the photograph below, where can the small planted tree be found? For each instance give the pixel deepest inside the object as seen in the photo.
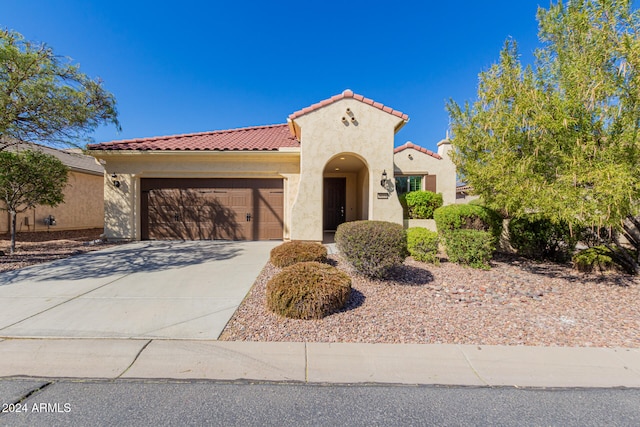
(27, 179)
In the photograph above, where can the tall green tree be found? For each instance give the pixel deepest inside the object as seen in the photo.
(45, 98)
(29, 178)
(560, 139)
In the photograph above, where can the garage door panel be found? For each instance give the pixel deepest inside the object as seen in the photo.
(196, 209)
(271, 213)
(164, 214)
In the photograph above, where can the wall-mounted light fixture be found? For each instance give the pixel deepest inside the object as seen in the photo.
(49, 220)
(386, 182)
(114, 180)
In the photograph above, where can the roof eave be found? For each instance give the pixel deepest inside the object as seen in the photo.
(99, 154)
(400, 125)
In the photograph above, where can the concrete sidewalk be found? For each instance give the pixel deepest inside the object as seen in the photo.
(321, 362)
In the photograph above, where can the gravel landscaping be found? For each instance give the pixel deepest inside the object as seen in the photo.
(517, 302)
(44, 246)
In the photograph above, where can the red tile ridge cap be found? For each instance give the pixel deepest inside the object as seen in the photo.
(348, 93)
(410, 144)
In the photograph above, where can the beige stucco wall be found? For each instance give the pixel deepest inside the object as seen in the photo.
(323, 136)
(122, 204)
(413, 162)
(83, 208)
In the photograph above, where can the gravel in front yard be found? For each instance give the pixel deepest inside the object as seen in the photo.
(44, 246)
(517, 302)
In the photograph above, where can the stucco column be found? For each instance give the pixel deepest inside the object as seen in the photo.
(119, 204)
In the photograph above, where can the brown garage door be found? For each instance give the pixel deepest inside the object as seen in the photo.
(203, 209)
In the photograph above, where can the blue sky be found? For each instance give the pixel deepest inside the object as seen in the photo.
(193, 66)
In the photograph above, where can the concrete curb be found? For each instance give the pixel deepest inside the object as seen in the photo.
(344, 363)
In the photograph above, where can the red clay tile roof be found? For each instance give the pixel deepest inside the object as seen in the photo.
(258, 138)
(347, 94)
(418, 148)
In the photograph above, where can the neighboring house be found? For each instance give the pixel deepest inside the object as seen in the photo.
(464, 193)
(417, 168)
(331, 162)
(83, 205)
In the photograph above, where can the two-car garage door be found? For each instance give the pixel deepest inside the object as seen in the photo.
(216, 208)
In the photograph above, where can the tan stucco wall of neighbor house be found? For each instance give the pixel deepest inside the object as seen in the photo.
(411, 161)
(83, 207)
(367, 135)
(122, 204)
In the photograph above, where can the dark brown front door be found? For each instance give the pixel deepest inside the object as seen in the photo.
(335, 200)
(203, 209)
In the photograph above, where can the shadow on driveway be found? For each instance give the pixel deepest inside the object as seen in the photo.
(126, 259)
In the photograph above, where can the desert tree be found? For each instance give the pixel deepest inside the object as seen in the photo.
(560, 139)
(45, 98)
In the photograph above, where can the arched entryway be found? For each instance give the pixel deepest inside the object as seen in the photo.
(345, 191)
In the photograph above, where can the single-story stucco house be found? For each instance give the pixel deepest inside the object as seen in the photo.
(332, 162)
(83, 206)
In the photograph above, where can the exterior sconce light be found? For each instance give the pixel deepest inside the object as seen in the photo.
(386, 183)
(49, 220)
(114, 180)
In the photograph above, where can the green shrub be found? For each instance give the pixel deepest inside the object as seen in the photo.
(599, 257)
(542, 239)
(471, 247)
(308, 290)
(373, 248)
(290, 253)
(423, 244)
(421, 204)
(472, 217)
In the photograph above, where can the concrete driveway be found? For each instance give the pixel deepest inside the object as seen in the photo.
(173, 290)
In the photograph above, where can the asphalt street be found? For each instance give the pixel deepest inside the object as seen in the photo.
(134, 402)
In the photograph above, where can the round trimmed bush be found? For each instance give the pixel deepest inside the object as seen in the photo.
(470, 217)
(423, 244)
(470, 247)
(290, 253)
(542, 239)
(308, 290)
(421, 204)
(373, 248)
